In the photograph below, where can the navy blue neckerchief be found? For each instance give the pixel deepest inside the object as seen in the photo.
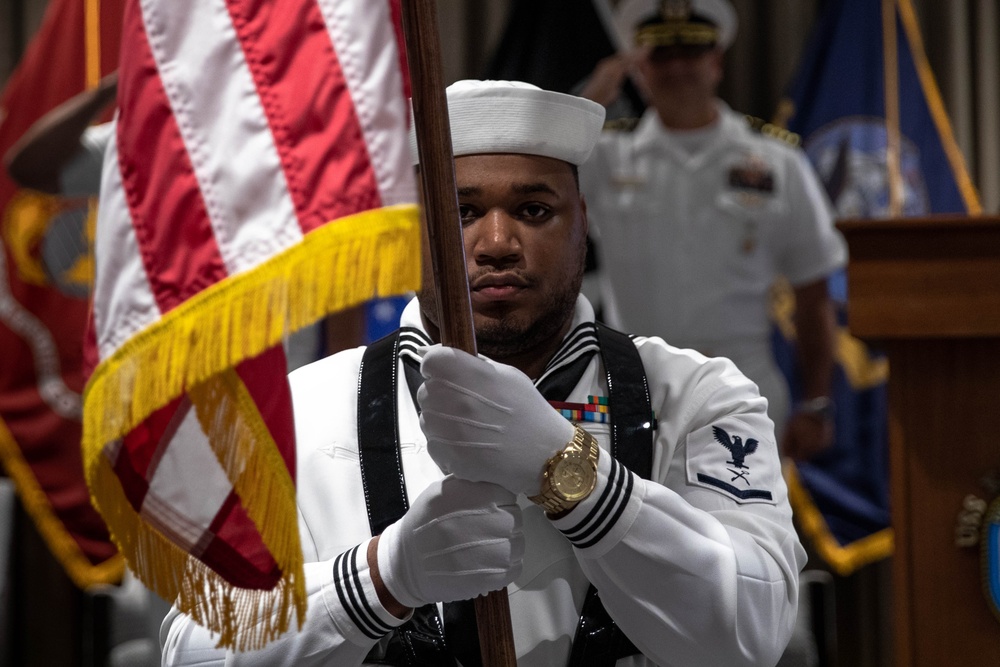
(421, 641)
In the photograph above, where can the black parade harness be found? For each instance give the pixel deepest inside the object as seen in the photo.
(427, 638)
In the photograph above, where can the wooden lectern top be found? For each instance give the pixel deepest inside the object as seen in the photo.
(933, 277)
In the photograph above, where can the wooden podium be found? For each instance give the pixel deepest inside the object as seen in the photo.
(928, 291)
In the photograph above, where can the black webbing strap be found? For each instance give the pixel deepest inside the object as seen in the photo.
(378, 435)
(599, 642)
(632, 423)
(419, 641)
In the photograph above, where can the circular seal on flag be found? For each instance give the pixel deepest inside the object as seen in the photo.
(66, 250)
(850, 157)
(50, 241)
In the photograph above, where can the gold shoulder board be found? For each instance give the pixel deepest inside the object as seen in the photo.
(621, 124)
(767, 129)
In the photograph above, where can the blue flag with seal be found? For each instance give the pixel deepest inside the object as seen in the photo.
(873, 124)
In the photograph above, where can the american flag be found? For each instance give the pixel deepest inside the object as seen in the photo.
(259, 180)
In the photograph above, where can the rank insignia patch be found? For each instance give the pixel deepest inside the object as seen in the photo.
(722, 457)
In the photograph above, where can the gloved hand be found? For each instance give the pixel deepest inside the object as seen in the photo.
(485, 421)
(458, 540)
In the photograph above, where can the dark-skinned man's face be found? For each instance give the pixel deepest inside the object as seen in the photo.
(525, 229)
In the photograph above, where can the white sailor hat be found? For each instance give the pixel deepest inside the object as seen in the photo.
(669, 22)
(517, 117)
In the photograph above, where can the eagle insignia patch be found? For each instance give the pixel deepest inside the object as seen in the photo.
(735, 446)
(721, 457)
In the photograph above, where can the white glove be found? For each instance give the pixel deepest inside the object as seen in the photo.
(458, 540)
(486, 422)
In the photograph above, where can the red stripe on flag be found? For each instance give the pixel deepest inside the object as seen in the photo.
(396, 11)
(309, 110)
(144, 445)
(235, 549)
(171, 222)
(265, 379)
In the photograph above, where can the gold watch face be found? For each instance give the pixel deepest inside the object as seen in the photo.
(573, 477)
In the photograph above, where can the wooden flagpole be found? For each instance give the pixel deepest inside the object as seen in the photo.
(444, 233)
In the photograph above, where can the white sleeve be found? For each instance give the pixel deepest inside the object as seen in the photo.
(809, 246)
(697, 574)
(344, 620)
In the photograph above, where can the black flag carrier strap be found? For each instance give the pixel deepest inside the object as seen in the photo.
(421, 641)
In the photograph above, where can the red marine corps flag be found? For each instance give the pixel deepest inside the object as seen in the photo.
(46, 270)
(259, 180)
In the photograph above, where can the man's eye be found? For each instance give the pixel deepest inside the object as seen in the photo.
(466, 213)
(534, 211)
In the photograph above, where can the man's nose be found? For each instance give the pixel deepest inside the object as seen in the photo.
(495, 239)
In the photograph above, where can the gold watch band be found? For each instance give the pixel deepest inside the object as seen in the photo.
(571, 475)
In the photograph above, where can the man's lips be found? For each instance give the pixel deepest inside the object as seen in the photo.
(498, 285)
(504, 279)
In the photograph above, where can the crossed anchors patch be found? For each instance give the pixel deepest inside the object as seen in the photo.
(721, 458)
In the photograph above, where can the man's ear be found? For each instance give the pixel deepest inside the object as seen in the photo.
(583, 213)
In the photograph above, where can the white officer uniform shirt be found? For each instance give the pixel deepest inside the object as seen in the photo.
(694, 227)
(697, 566)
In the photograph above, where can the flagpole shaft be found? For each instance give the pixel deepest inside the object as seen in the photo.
(437, 171)
(444, 234)
(890, 56)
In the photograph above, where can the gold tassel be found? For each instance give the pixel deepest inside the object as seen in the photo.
(341, 264)
(247, 452)
(192, 349)
(81, 571)
(244, 619)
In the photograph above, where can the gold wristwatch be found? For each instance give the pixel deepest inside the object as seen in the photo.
(570, 475)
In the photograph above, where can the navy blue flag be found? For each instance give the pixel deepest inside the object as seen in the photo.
(873, 124)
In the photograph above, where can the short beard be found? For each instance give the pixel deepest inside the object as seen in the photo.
(507, 337)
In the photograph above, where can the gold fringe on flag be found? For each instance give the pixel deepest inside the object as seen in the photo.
(64, 548)
(244, 618)
(192, 350)
(844, 560)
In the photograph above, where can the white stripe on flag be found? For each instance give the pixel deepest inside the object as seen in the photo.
(170, 504)
(363, 37)
(214, 99)
(123, 299)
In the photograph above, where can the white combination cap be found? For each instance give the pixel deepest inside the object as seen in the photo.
(517, 117)
(666, 22)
